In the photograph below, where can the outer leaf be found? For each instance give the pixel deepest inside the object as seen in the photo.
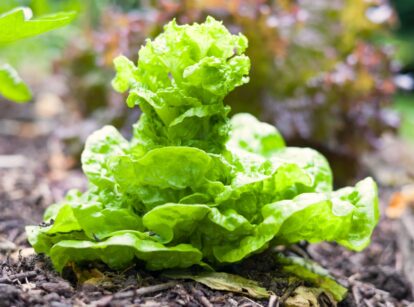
(43, 242)
(121, 248)
(99, 147)
(125, 74)
(366, 214)
(313, 273)
(309, 160)
(12, 86)
(225, 282)
(175, 221)
(164, 168)
(313, 217)
(99, 223)
(15, 26)
(249, 134)
(249, 191)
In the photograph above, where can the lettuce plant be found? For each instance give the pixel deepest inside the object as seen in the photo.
(193, 187)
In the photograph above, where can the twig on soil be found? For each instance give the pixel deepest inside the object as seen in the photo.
(359, 290)
(103, 301)
(289, 291)
(200, 297)
(356, 294)
(250, 303)
(145, 290)
(17, 277)
(273, 301)
(368, 303)
(155, 288)
(298, 250)
(127, 269)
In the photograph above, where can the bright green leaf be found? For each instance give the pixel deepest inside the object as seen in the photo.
(14, 25)
(12, 87)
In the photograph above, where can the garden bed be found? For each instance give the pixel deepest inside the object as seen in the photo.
(34, 173)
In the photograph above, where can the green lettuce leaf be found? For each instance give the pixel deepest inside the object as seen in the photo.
(99, 148)
(16, 26)
(250, 135)
(180, 82)
(121, 248)
(312, 273)
(314, 217)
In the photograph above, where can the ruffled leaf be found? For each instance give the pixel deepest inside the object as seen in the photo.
(192, 187)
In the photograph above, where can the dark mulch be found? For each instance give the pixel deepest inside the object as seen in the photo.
(34, 173)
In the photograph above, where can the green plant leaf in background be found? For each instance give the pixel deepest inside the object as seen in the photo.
(15, 25)
(12, 86)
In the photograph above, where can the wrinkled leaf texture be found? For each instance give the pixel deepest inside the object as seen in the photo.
(193, 187)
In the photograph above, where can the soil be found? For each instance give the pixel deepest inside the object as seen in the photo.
(35, 172)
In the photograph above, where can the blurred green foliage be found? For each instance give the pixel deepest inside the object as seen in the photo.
(12, 86)
(403, 40)
(18, 24)
(404, 104)
(43, 7)
(405, 10)
(404, 34)
(44, 48)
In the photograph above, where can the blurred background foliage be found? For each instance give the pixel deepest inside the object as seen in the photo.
(323, 71)
(403, 40)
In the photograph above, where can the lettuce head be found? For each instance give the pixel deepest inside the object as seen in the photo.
(193, 187)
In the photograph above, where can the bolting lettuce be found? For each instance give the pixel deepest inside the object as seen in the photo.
(193, 187)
